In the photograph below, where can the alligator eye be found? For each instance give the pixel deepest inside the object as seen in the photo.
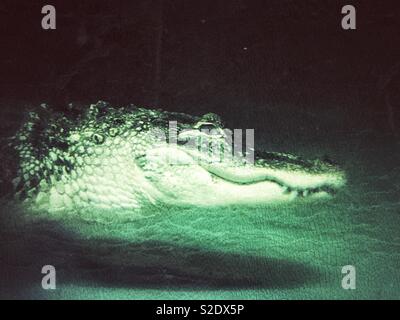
(113, 132)
(205, 126)
(98, 138)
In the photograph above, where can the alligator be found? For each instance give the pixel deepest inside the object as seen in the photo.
(110, 157)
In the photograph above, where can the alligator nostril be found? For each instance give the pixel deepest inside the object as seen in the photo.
(326, 159)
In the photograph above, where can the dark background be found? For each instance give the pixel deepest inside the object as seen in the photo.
(257, 63)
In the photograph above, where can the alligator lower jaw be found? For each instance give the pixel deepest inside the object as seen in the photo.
(291, 192)
(301, 186)
(254, 177)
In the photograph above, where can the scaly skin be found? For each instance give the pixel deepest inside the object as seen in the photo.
(111, 157)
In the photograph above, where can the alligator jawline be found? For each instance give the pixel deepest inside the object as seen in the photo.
(286, 189)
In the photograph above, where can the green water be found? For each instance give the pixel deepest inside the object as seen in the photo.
(293, 251)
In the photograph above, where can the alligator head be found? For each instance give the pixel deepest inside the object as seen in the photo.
(128, 157)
